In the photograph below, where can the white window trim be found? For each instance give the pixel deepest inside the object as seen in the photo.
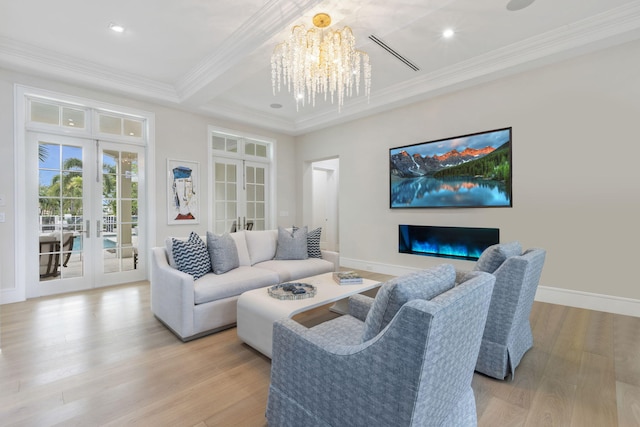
(22, 124)
(270, 160)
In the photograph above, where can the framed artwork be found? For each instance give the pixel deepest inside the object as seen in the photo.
(183, 185)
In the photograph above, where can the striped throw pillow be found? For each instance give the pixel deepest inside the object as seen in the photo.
(192, 256)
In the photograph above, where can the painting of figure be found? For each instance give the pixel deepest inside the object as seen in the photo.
(183, 192)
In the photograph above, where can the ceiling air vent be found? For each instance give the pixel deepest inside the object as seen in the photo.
(404, 60)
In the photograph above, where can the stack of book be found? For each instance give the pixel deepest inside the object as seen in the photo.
(347, 278)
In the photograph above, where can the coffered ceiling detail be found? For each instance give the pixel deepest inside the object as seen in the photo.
(214, 57)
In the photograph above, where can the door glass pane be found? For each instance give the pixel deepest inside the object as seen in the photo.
(219, 172)
(220, 191)
(231, 192)
(220, 212)
(232, 212)
(60, 181)
(251, 192)
(49, 156)
(231, 173)
(119, 211)
(48, 183)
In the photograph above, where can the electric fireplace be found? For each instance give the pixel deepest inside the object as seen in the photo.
(466, 243)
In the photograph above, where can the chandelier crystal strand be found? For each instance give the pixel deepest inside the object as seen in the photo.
(312, 62)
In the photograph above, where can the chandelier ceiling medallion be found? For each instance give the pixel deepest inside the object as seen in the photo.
(320, 62)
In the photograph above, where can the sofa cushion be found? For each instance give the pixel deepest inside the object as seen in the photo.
(296, 269)
(241, 246)
(214, 287)
(292, 244)
(223, 252)
(191, 256)
(495, 255)
(313, 243)
(261, 245)
(424, 284)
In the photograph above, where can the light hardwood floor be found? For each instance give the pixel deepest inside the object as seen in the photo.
(101, 358)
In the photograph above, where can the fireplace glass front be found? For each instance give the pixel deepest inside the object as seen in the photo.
(466, 243)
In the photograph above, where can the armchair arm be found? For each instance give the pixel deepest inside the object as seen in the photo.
(359, 306)
(333, 257)
(516, 283)
(505, 300)
(172, 295)
(460, 275)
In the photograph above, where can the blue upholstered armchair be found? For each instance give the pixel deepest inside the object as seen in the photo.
(403, 359)
(507, 334)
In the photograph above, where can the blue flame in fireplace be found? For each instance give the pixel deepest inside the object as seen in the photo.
(445, 250)
(448, 242)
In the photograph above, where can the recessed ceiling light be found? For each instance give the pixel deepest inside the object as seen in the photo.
(448, 33)
(275, 105)
(116, 27)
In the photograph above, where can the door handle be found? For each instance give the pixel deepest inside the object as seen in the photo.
(97, 228)
(87, 229)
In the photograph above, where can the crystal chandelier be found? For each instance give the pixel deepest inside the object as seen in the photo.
(318, 61)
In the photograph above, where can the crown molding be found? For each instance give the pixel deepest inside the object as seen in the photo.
(604, 30)
(257, 118)
(33, 59)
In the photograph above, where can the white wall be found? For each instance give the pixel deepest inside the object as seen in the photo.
(575, 151)
(178, 135)
(576, 190)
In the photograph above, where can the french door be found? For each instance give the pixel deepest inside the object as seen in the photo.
(240, 195)
(86, 214)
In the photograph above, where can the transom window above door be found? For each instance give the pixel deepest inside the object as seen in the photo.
(56, 116)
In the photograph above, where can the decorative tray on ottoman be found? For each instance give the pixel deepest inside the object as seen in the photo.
(292, 291)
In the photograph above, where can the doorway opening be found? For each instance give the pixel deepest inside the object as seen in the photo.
(324, 202)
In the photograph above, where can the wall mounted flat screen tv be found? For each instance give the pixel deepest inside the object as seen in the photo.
(467, 171)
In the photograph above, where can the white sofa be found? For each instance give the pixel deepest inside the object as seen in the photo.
(194, 308)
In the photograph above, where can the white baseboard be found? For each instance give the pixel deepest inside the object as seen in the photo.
(598, 302)
(571, 298)
(8, 296)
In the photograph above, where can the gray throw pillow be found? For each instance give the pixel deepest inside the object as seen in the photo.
(292, 244)
(424, 284)
(495, 255)
(223, 252)
(313, 243)
(191, 257)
